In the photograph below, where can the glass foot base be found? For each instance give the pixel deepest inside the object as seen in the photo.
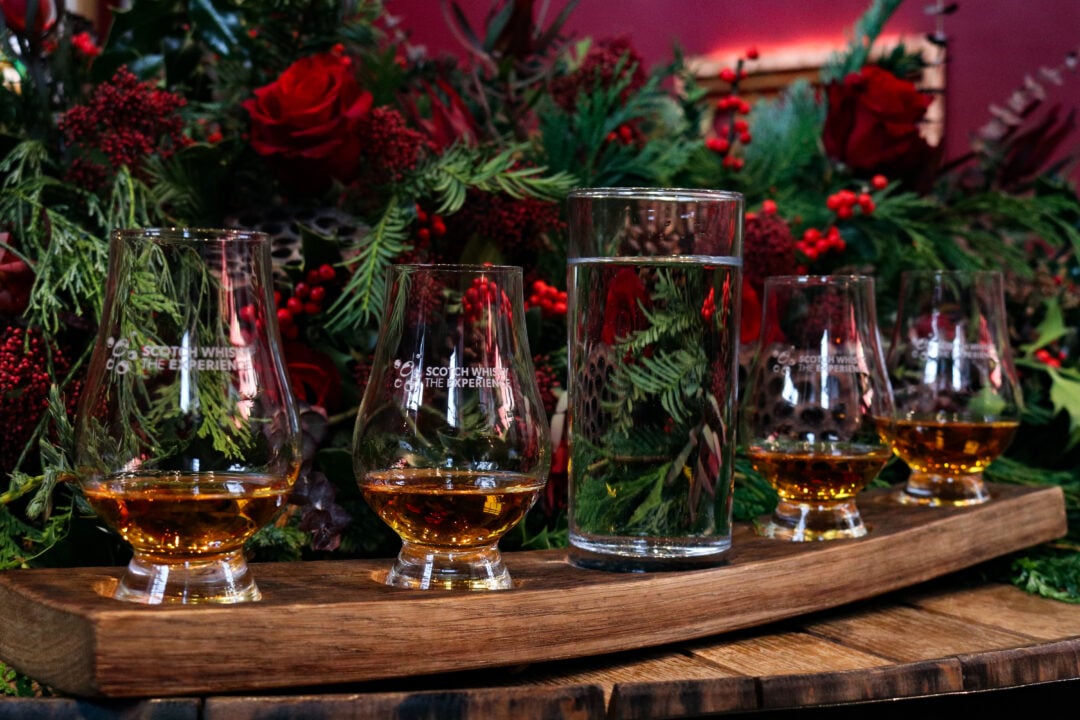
(647, 554)
(425, 568)
(940, 490)
(222, 579)
(803, 522)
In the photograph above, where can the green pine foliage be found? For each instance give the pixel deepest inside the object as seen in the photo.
(360, 304)
(1052, 574)
(865, 32)
(786, 154)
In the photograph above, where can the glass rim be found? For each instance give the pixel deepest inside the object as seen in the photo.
(815, 280)
(192, 234)
(647, 193)
(951, 273)
(458, 267)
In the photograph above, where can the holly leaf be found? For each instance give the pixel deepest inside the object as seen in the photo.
(1050, 329)
(1065, 395)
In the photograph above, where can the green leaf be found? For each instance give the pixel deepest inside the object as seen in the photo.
(361, 301)
(1050, 329)
(1065, 395)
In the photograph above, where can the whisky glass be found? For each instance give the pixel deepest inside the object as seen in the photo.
(187, 439)
(816, 385)
(958, 400)
(451, 446)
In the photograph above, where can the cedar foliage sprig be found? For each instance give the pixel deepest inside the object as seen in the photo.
(672, 376)
(578, 142)
(361, 301)
(447, 178)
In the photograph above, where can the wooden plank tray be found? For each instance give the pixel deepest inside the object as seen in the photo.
(323, 623)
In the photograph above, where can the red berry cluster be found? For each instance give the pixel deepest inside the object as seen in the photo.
(708, 308)
(516, 224)
(85, 45)
(547, 381)
(768, 207)
(814, 244)
(1047, 357)
(24, 387)
(482, 295)
(844, 202)
(607, 62)
(307, 298)
(626, 134)
(429, 227)
(126, 121)
(730, 128)
(391, 148)
(550, 300)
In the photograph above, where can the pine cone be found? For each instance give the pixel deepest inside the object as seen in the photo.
(658, 238)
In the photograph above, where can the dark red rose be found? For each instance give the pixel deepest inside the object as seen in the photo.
(872, 124)
(16, 279)
(623, 310)
(313, 375)
(16, 14)
(308, 118)
(751, 318)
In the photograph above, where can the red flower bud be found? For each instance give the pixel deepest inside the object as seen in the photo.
(17, 14)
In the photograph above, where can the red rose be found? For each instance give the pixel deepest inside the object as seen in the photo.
(623, 309)
(308, 119)
(16, 14)
(872, 124)
(313, 376)
(16, 279)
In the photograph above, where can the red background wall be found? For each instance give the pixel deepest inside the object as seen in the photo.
(993, 44)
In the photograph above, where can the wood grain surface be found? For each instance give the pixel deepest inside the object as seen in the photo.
(325, 624)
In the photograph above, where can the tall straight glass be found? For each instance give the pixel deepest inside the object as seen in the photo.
(958, 398)
(187, 434)
(654, 289)
(813, 396)
(451, 446)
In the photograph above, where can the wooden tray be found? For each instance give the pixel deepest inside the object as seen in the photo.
(333, 622)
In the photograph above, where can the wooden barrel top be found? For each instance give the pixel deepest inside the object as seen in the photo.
(948, 636)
